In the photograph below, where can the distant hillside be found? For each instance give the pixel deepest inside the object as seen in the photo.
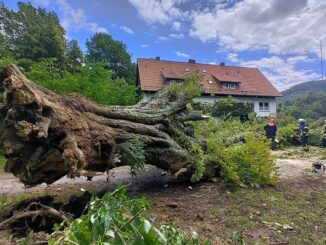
(302, 89)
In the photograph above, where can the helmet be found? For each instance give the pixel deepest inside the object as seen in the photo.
(271, 122)
(301, 120)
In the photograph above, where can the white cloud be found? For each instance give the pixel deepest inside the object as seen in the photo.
(274, 25)
(282, 72)
(233, 57)
(145, 46)
(176, 26)
(157, 11)
(181, 54)
(177, 36)
(75, 19)
(162, 38)
(127, 29)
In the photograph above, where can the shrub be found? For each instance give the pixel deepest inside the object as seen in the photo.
(249, 163)
(239, 151)
(199, 158)
(2, 160)
(188, 86)
(230, 106)
(133, 154)
(115, 219)
(315, 137)
(92, 81)
(288, 135)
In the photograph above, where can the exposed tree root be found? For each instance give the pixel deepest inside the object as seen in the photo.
(42, 211)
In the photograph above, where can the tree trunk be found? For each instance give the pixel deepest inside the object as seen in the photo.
(46, 136)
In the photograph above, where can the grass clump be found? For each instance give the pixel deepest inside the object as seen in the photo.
(2, 161)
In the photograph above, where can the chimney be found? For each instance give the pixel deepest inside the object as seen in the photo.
(222, 63)
(157, 58)
(191, 61)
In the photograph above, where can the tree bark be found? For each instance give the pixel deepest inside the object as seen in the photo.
(46, 136)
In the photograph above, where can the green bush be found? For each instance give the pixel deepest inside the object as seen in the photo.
(198, 156)
(288, 135)
(242, 154)
(315, 137)
(188, 86)
(249, 163)
(115, 219)
(93, 81)
(133, 154)
(2, 161)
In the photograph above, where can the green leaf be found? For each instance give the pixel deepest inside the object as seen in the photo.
(110, 233)
(93, 218)
(147, 225)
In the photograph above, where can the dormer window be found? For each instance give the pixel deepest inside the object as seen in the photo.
(169, 81)
(229, 85)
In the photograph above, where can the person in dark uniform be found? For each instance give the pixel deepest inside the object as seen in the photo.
(303, 130)
(270, 131)
(324, 135)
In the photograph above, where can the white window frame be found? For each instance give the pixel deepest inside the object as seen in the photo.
(264, 106)
(229, 85)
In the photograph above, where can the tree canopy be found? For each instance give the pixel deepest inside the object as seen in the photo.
(309, 105)
(102, 48)
(75, 55)
(33, 32)
(33, 39)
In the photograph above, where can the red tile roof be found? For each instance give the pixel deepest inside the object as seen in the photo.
(251, 82)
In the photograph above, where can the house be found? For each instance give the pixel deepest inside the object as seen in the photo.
(218, 81)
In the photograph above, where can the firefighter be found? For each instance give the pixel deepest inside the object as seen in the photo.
(270, 132)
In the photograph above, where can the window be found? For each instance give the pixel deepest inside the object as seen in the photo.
(229, 85)
(168, 81)
(263, 106)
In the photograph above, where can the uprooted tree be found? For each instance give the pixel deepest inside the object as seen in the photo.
(46, 136)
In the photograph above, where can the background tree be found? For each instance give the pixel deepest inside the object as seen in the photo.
(33, 32)
(5, 28)
(2, 45)
(75, 55)
(102, 48)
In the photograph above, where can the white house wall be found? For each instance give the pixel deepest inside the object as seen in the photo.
(270, 113)
(211, 99)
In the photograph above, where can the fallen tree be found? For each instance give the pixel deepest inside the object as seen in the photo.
(46, 136)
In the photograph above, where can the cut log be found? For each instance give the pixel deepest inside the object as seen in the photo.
(46, 136)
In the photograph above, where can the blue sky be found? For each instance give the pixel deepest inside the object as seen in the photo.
(279, 37)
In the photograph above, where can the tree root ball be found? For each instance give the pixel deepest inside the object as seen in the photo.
(46, 136)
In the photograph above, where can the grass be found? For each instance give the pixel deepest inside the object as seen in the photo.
(282, 214)
(301, 153)
(7, 201)
(2, 161)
